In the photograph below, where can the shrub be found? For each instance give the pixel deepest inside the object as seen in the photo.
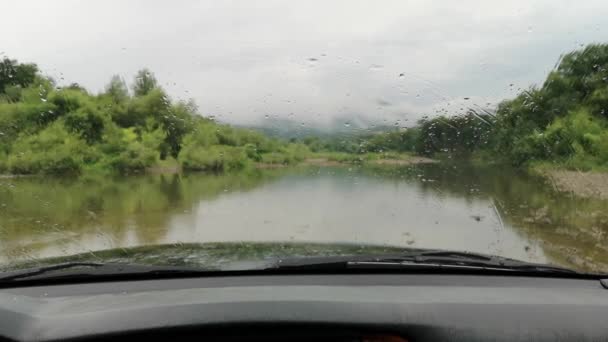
(53, 150)
(215, 158)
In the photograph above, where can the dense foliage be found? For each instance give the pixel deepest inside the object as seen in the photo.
(565, 121)
(362, 143)
(48, 129)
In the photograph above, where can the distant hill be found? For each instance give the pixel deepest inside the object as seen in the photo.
(287, 128)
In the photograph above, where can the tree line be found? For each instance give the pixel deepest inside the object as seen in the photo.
(49, 129)
(564, 121)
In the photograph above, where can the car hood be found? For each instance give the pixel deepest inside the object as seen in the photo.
(212, 256)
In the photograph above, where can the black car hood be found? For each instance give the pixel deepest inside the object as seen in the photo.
(212, 256)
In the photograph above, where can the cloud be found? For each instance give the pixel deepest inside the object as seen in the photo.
(312, 61)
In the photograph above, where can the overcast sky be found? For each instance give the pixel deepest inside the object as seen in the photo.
(310, 61)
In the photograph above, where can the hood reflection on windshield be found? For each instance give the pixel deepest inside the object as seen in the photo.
(212, 256)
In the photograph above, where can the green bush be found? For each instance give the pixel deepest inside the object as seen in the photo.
(133, 159)
(53, 150)
(3, 162)
(87, 122)
(126, 152)
(45, 129)
(68, 100)
(252, 152)
(290, 154)
(215, 158)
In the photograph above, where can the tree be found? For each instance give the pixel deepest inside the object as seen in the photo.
(13, 73)
(144, 82)
(87, 122)
(458, 135)
(117, 89)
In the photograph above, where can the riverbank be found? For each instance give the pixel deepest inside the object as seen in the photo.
(582, 184)
(337, 159)
(563, 177)
(173, 166)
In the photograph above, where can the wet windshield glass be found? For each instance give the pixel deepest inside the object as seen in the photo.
(224, 132)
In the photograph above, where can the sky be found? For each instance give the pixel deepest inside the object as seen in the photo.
(314, 62)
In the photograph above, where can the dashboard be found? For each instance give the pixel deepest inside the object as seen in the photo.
(346, 307)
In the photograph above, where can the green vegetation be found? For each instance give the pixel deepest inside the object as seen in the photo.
(380, 142)
(45, 129)
(562, 123)
(343, 157)
(52, 130)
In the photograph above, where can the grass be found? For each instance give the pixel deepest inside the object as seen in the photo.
(343, 157)
(541, 167)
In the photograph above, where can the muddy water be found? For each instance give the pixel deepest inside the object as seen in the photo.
(489, 210)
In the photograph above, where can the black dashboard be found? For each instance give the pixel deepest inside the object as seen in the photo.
(365, 307)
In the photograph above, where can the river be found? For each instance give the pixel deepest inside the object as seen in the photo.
(462, 207)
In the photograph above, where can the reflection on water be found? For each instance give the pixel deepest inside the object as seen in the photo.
(460, 207)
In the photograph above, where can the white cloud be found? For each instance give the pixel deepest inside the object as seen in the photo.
(244, 59)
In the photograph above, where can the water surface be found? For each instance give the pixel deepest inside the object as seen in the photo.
(488, 210)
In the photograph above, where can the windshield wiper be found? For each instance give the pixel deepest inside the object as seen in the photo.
(430, 260)
(410, 261)
(80, 270)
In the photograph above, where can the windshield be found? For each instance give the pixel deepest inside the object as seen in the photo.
(171, 131)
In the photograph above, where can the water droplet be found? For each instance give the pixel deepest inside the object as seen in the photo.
(466, 98)
(347, 124)
(401, 75)
(266, 116)
(530, 29)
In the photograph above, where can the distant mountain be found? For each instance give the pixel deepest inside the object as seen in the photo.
(287, 128)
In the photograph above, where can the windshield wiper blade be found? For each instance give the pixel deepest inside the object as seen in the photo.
(412, 256)
(435, 261)
(26, 273)
(91, 269)
(423, 260)
(436, 264)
